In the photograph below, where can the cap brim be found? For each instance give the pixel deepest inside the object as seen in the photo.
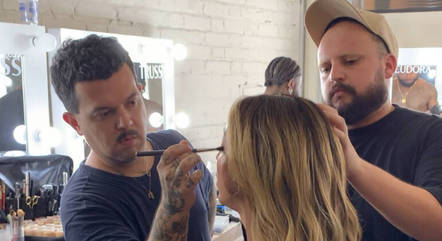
(320, 13)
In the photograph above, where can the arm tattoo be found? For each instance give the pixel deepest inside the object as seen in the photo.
(174, 198)
(175, 203)
(167, 227)
(180, 226)
(166, 157)
(189, 183)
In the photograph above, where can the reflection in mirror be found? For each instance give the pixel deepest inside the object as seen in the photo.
(417, 83)
(12, 126)
(150, 76)
(400, 5)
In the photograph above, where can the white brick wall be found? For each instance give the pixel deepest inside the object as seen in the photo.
(230, 43)
(97, 10)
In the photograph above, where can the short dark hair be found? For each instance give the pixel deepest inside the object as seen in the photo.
(382, 46)
(87, 59)
(281, 70)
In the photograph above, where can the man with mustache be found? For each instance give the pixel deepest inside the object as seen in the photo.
(115, 195)
(394, 155)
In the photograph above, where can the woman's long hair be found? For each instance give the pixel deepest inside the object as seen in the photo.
(289, 166)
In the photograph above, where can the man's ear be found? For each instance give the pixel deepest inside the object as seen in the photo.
(69, 118)
(140, 87)
(390, 63)
(292, 84)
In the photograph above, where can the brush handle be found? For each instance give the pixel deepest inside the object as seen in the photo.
(160, 152)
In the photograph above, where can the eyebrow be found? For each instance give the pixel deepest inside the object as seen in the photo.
(350, 55)
(343, 56)
(103, 108)
(132, 95)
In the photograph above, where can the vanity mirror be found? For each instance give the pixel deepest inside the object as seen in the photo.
(12, 128)
(24, 108)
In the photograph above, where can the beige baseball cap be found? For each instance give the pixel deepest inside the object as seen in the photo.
(322, 12)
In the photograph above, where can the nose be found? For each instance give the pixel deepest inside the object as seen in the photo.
(336, 73)
(124, 120)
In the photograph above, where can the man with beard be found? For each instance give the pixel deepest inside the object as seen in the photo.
(413, 92)
(115, 195)
(394, 155)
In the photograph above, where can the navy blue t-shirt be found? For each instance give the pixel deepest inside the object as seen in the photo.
(97, 205)
(408, 145)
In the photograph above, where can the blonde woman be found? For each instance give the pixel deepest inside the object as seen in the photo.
(283, 170)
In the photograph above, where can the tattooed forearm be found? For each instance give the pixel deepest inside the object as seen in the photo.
(175, 203)
(174, 200)
(169, 227)
(190, 183)
(178, 193)
(180, 226)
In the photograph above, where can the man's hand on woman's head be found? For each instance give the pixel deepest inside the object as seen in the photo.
(352, 158)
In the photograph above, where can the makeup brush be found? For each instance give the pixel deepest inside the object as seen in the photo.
(160, 152)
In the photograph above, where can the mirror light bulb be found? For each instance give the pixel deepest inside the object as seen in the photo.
(19, 134)
(14, 153)
(182, 120)
(179, 52)
(5, 80)
(155, 119)
(432, 74)
(45, 42)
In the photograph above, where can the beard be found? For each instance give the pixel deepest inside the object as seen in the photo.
(405, 83)
(362, 104)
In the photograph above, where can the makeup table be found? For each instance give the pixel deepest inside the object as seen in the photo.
(232, 232)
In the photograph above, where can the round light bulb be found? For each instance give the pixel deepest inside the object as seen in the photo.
(182, 120)
(432, 74)
(14, 153)
(155, 119)
(19, 134)
(146, 95)
(5, 80)
(45, 42)
(179, 52)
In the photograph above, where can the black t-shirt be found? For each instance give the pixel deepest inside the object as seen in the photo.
(97, 205)
(408, 145)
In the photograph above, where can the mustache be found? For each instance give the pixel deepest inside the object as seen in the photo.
(340, 86)
(127, 133)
